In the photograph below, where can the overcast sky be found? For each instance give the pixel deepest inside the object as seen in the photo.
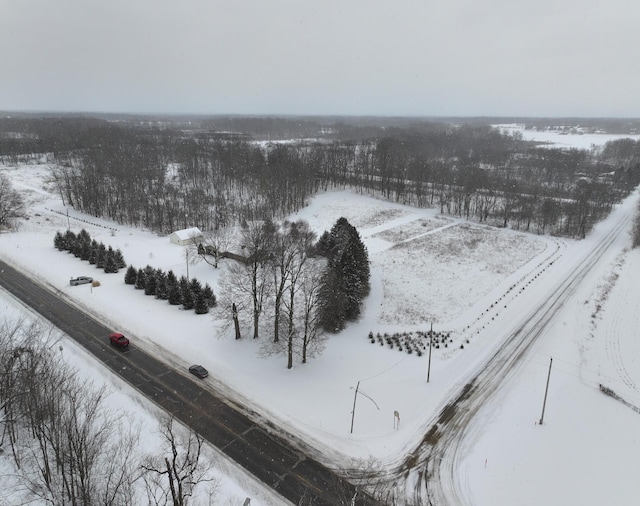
(351, 57)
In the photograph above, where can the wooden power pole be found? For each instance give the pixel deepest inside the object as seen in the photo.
(546, 390)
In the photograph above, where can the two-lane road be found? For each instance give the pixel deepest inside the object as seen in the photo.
(429, 474)
(270, 457)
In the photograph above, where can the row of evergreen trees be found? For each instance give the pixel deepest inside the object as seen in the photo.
(166, 286)
(85, 248)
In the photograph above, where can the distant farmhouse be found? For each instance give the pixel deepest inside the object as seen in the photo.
(187, 236)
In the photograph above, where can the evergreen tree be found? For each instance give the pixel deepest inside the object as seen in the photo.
(149, 271)
(201, 304)
(101, 255)
(161, 285)
(141, 280)
(188, 301)
(346, 281)
(171, 279)
(119, 258)
(85, 251)
(58, 241)
(196, 286)
(174, 294)
(332, 302)
(152, 283)
(109, 262)
(69, 240)
(76, 248)
(130, 276)
(209, 295)
(83, 236)
(93, 252)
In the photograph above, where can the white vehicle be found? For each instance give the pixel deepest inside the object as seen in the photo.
(80, 280)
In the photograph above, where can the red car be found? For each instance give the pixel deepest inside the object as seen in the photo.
(118, 340)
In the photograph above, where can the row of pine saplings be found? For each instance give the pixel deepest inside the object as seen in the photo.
(417, 344)
(189, 294)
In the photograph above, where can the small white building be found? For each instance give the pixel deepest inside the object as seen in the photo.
(187, 236)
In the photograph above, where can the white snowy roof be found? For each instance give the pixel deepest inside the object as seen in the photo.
(188, 233)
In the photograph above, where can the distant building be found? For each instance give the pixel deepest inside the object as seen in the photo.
(187, 236)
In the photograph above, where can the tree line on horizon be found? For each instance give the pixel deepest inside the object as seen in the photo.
(210, 179)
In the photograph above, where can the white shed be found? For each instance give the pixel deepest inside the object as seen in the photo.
(187, 236)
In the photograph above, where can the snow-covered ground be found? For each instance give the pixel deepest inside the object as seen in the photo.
(469, 280)
(557, 138)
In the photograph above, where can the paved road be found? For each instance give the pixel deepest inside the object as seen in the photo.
(429, 474)
(270, 457)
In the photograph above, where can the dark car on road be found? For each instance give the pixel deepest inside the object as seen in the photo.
(80, 280)
(198, 371)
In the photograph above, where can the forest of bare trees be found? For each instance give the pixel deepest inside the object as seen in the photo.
(200, 176)
(70, 447)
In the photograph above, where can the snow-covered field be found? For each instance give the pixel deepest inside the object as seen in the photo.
(470, 280)
(556, 138)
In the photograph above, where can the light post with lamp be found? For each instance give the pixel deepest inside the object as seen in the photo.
(355, 397)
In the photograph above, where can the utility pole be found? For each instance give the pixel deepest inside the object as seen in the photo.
(544, 403)
(430, 339)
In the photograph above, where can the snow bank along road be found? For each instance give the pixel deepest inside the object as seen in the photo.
(428, 474)
(266, 452)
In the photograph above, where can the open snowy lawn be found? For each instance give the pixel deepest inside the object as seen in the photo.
(439, 276)
(423, 277)
(587, 451)
(472, 280)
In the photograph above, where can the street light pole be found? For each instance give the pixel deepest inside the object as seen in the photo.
(353, 413)
(355, 396)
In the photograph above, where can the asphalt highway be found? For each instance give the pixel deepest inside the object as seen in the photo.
(429, 473)
(268, 455)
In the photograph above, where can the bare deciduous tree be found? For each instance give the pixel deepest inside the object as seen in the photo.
(172, 478)
(68, 447)
(11, 202)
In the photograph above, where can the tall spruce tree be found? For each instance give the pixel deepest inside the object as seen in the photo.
(209, 295)
(161, 285)
(174, 294)
(101, 255)
(141, 280)
(110, 266)
(346, 281)
(119, 258)
(152, 283)
(131, 275)
(201, 304)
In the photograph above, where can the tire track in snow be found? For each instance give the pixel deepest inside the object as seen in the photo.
(617, 328)
(429, 473)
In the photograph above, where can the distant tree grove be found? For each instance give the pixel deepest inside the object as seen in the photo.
(197, 175)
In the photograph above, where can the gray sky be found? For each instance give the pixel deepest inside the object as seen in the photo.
(395, 57)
